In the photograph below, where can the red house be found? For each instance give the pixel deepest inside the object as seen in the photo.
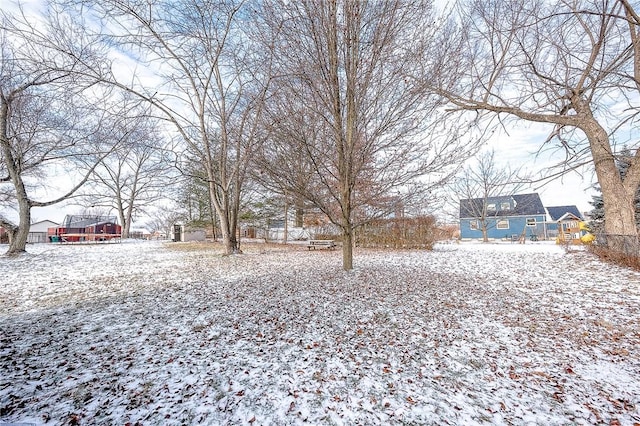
(78, 228)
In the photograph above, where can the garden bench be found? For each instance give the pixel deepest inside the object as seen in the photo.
(330, 244)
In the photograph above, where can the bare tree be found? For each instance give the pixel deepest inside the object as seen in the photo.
(477, 184)
(162, 220)
(136, 175)
(350, 107)
(282, 164)
(45, 118)
(574, 65)
(207, 81)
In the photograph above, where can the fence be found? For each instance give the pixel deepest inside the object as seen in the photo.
(627, 244)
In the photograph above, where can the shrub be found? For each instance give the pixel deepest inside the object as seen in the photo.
(616, 257)
(409, 233)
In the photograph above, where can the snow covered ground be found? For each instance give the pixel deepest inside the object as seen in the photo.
(174, 333)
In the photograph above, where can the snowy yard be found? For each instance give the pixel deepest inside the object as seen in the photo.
(155, 333)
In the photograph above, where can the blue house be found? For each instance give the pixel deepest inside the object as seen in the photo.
(503, 217)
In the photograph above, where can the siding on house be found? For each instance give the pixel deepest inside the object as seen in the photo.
(510, 226)
(507, 217)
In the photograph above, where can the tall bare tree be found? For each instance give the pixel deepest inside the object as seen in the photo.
(136, 175)
(203, 76)
(482, 181)
(572, 64)
(351, 108)
(45, 117)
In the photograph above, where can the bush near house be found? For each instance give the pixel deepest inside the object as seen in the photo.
(415, 232)
(628, 256)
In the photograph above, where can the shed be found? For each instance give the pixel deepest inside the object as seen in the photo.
(184, 233)
(38, 231)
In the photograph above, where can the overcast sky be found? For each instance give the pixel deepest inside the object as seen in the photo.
(519, 144)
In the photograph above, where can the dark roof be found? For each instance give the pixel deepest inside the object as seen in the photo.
(522, 205)
(557, 212)
(82, 221)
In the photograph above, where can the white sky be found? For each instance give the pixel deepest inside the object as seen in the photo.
(518, 146)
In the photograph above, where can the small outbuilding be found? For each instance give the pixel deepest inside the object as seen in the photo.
(573, 230)
(39, 231)
(568, 226)
(557, 212)
(184, 233)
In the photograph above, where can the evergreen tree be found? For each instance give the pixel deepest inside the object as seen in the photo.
(623, 161)
(597, 213)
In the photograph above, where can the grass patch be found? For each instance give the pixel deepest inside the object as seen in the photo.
(194, 246)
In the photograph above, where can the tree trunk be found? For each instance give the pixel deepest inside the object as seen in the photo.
(17, 235)
(212, 210)
(121, 217)
(485, 233)
(126, 224)
(234, 241)
(347, 246)
(125, 221)
(233, 209)
(619, 205)
(228, 234)
(299, 212)
(18, 243)
(286, 221)
(347, 228)
(126, 228)
(227, 231)
(228, 242)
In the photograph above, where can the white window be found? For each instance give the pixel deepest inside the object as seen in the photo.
(531, 221)
(503, 224)
(505, 206)
(473, 225)
(491, 207)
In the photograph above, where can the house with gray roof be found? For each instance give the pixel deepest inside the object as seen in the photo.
(505, 217)
(558, 214)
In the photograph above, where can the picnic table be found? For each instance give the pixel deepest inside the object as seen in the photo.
(329, 244)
